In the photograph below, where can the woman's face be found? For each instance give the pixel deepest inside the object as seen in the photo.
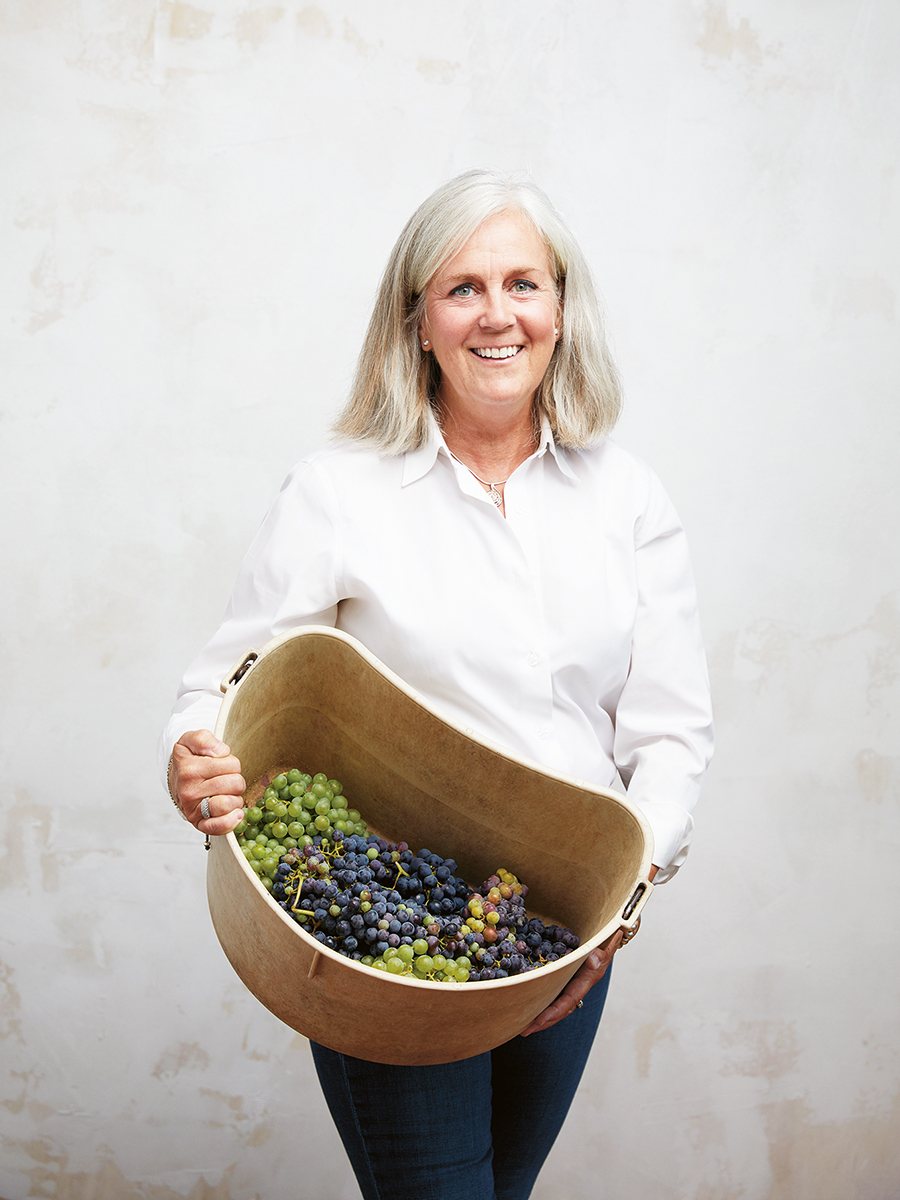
(490, 313)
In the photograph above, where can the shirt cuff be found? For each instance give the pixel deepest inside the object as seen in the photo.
(672, 827)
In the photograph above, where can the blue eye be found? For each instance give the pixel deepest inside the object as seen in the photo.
(524, 285)
(458, 291)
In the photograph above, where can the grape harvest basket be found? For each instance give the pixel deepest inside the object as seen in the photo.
(317, 699)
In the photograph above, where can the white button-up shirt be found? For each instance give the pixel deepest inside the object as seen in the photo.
(566, 631)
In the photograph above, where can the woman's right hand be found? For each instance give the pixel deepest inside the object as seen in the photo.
(204, 768)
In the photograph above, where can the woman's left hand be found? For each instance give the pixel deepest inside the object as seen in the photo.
(591, 971)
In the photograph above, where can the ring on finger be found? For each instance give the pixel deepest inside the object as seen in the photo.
(579, 1004)
(204, 808)
(628, 934)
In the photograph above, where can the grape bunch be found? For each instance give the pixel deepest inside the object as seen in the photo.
(294, 808)
(379, 903)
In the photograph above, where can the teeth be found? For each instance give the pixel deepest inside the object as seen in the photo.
(497, 351)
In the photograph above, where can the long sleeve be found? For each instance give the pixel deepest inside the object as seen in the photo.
(664, 730)
(288, 577)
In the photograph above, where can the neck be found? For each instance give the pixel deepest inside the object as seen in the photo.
(491, 448)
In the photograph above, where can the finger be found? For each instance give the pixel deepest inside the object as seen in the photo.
(192, 789)
(202, 742)
(217, 826)
(221, 809)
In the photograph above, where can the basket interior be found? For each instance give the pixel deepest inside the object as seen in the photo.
(319, 703)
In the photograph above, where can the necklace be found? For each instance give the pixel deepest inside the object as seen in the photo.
(493, 494)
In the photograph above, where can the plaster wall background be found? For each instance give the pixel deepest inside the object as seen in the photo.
(198, 200)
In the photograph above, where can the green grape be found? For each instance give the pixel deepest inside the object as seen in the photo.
(294, 776)
(261, 839)
(266, 882)
(323, 805)
(247, 851)
(395, 966)
(259, 852)
(309, 800)
(353, 815)
(279, 782)
(439, 962)
(424, 964)
(289, 843)
(380, 965)
(271, 801)
(319, 778)
(371, 852)
(295, 829)
(322, 823)
(336, 787)
(241, 827)
(340, 802)
(279, 830)
(295, 808)
(406, 953)
(296, 789)
(254, 815)
(420, 946)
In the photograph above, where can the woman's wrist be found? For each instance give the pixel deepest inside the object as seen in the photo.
(172, 795)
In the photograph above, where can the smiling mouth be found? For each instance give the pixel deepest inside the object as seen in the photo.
(495, 351)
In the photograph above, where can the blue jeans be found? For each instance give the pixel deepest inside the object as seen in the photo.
(478, 1129)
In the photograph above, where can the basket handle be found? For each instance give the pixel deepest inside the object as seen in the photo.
(240, 669)
(631, 913)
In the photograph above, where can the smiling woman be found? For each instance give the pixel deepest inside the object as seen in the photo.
(396, 384)
(474, 448)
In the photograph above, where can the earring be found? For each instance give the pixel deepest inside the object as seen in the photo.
(425, 343)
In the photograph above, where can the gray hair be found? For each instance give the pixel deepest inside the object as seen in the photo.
(396, 380)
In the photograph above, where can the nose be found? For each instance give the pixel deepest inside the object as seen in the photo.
(497, 310)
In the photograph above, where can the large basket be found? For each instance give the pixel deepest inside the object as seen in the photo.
(317, 699)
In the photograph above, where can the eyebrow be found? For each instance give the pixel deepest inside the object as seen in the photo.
(474, 274)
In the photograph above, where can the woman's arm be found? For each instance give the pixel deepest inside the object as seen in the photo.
(289, 577)
(664, 729)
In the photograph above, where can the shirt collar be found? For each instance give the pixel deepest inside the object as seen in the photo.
(417, 463)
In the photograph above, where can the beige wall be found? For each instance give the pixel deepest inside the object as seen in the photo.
(198, 200)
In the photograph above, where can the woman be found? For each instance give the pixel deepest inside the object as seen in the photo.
(478, 531)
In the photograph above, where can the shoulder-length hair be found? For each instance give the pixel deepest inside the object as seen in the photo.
(396, 381)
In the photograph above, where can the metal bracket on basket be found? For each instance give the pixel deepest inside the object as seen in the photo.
(639, 898)
(239, 671)
(634, 901)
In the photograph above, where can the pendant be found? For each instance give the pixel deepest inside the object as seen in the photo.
(495, 496)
